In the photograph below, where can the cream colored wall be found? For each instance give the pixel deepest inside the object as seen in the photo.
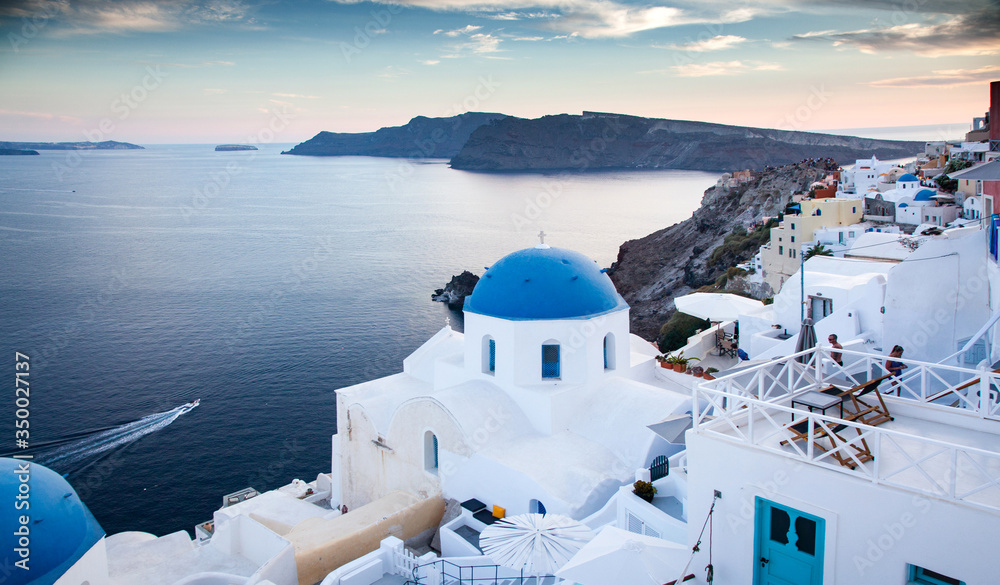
(323, 545)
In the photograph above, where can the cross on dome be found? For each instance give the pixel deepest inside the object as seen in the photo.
(541, 240)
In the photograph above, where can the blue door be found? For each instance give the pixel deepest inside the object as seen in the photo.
(789, 546)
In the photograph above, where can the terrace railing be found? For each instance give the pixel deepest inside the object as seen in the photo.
(730, 410)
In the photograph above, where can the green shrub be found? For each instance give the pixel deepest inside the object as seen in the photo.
(675, 332)
(644, 490)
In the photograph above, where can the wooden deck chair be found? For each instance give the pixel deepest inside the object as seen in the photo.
(800, 432)
(865, 411)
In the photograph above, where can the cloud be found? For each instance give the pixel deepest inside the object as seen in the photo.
(87, 17)
(716, 43)
(943, 78)
(528, 39)
(431, 62)
(717, 68)
(971, 33)
(467, 29)
(480, 43)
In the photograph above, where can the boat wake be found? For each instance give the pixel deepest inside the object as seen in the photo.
(70, 454)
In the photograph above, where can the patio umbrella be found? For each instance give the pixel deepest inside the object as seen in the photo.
(537, 544)
(672, 428)
(806, 340)
(715, 306)
(616, 556)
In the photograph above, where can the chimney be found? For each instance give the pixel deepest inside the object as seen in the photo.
(995, 116)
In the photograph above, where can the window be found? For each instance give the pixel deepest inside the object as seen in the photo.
(550, 361)
(924, 576)
(851, 234)
(781, 250)
(820, 307)
(431, 452)
(793, 227)
(489, 355)
(793, 239)
(536, 507)
(819, 212)
(609, 351)
(854, 210)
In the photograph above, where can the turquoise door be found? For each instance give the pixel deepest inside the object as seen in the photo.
(789, 547)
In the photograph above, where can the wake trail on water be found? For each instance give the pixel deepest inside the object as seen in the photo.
(70, 454)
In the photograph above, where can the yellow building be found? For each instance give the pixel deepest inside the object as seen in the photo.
(780, 258)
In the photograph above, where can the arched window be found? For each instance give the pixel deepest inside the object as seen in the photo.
(489, 355)
(431, 452)
(550, 360)
(536, 507)
(609, 351)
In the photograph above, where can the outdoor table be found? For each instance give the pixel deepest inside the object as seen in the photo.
(813, 399)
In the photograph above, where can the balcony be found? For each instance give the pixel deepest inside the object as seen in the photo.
(942, 440)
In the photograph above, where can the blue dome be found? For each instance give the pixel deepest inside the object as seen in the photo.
(907, 178)
(924, 195)
(60, 527)
(544, 283)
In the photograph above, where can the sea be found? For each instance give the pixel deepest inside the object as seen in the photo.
(134, 282)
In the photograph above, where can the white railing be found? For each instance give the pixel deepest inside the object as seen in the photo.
(936, 386)
(404, 562)
(922, 465)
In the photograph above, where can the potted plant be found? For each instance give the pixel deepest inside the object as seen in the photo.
(663, 362)
(697, 371)
(644, 490)
(708, 373)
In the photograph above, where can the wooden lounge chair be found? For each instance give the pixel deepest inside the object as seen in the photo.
(866, 411)
(862, 453)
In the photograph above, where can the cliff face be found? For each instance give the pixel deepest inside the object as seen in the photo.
(651, 271)
(599, 141)
(421, 137)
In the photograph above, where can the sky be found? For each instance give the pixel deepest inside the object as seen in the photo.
(219, 71)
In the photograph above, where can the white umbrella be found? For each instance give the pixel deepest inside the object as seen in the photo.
(715, 306)
(616, 556)
(537, 544)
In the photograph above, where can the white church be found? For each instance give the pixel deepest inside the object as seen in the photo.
(541, 405)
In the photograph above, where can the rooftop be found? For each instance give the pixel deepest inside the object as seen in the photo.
(942, 439)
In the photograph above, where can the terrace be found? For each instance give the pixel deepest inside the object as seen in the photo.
(941, 441)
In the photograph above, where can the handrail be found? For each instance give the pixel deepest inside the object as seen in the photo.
(496, 579)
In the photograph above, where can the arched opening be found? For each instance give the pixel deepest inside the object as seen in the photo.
(609, 351)
(550, 359)
(536, 507)
(431, 452)
(489, 360)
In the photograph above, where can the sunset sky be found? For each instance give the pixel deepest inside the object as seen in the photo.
(190, 71)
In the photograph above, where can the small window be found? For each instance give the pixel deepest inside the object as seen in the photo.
(609, 351)
(793, 226)
(489, 355)
(793, 239)
(851, 234)
(493, 355)
(924, 576)
(819, 212)
(550, 361)
(854, 210)
(431, 452)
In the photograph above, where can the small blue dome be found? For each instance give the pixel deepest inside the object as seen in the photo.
(60, 527)
(924, 195)
(907, 178)
(544, 283)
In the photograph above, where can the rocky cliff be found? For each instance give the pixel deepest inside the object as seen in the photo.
(674, 261)
(611, 141)
(421, 137)
(456, 290)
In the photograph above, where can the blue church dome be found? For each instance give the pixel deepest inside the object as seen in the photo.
(60, 527)
(907, 178)
(924, 195)
(544, 283)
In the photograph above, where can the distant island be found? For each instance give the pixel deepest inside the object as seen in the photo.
(229, 147)
(15, 151)
(597, 141)
(491, 142)
(106, 145)
(421, 137)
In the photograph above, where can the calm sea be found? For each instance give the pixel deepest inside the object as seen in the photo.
(138, 281)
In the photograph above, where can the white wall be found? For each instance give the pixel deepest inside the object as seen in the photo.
(872, 532)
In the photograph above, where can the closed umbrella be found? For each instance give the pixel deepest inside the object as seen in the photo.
(617, 557)
(536, 544)
(806, 340)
